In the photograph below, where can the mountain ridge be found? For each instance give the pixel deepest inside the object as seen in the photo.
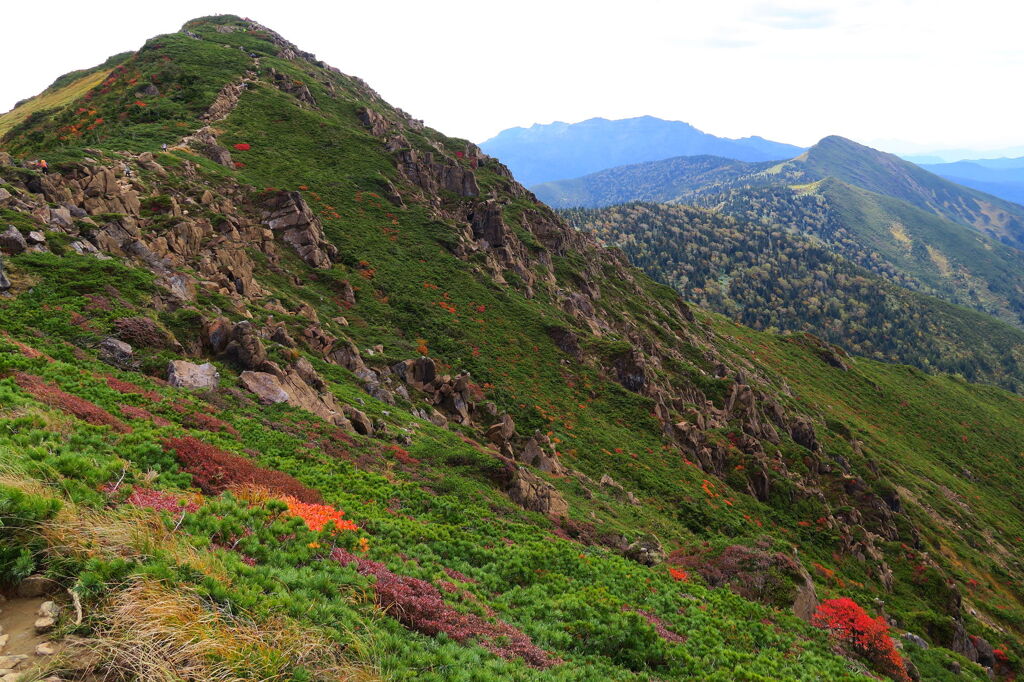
(328, 393)
(545, 152)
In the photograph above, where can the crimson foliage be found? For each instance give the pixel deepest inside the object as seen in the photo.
(214, 470)
(419, 606)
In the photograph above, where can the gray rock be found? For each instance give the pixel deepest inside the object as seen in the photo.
(184, 374)
(916, 640)
(267, 387)
(11, 240)
(115, 352)
(360, 422)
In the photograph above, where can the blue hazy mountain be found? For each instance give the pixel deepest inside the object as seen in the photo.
(1003, 177)
(559, 150)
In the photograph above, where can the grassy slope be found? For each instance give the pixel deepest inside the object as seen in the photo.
(567, 597)
(50, 100)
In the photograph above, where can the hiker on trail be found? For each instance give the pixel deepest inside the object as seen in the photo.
(164, 147)
(43, 166)
(127, 170)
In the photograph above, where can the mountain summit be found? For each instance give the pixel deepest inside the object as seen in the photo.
(320, 393)
(542, 153)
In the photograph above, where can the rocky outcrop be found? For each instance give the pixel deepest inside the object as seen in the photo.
(630, 370)
(538, 452)
(184, 374)
(265, 386)
(533, 493)
(296, 385)
(244, 348)
(293, 87)
(451, 395)
(501, 434)
(204, 141)
(646, 550)
(374, 121)
(287, 214)
(434, 173)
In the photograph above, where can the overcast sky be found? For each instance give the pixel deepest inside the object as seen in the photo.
(905, 75)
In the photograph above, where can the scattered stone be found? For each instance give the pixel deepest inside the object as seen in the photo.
(45, 649)
(115, 352)
(184, 374)
(35, 586)
(45, 624)
(360, 422)
(13, 661)
(646, 550)
(11, 241)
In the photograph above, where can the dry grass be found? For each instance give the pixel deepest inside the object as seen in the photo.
(150, 632)
(128, 533)
(51, 100)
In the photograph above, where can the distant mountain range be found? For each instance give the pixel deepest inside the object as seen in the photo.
(1002, 177)
(559, 150)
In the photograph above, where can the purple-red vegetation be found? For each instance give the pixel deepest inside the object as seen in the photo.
(418, 605)
(49, 394)
(214, 470)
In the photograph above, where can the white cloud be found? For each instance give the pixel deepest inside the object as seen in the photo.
(932, 72)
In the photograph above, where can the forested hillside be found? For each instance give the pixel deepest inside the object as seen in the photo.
(767, 276)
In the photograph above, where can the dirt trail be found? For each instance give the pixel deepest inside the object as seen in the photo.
(17, 621)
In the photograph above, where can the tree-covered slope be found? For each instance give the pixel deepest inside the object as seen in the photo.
(898, 240)
(321, 393)
(890, 175)
(766, 276)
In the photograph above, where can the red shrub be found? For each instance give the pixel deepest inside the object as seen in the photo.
(206, 422)
(243, 146)
(131, 389)
(49, 394)
(133, 412)
(869, 637)
(214, 470)
(419, 606)
(162, 501)
(27, 351)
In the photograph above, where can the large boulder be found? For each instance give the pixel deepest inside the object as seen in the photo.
(116, 352)
(531, 492)
(245, 347)
(185, 374)
(360, 422)
(265, 386)
(11, 240)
